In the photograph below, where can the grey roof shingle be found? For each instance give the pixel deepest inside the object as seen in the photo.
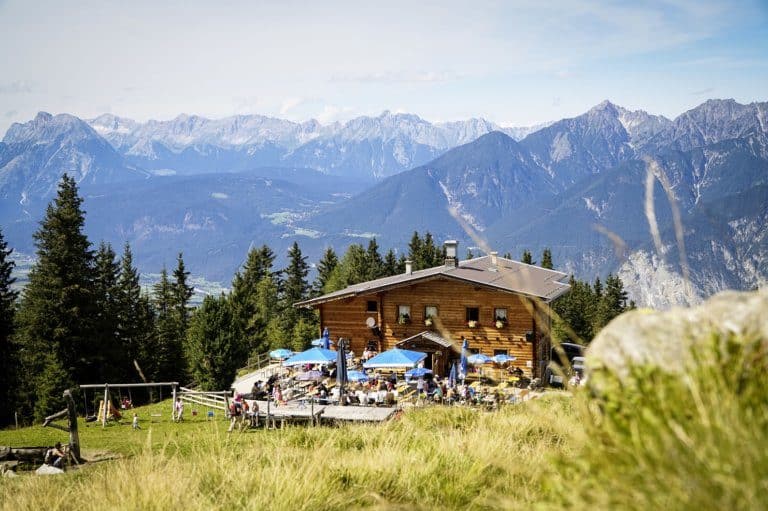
(506, 276)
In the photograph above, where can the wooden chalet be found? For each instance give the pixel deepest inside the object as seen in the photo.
(494, 303)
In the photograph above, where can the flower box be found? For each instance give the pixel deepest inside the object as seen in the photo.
(500, 323)
(472, 323)
(428, 322)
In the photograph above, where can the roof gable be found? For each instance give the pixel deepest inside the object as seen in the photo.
(505, 276)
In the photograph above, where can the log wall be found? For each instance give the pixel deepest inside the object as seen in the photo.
(347, 318)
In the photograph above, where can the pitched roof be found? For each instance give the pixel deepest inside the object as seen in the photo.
(431, 336)
(506, 275)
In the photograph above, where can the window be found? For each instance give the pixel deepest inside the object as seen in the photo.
(372, 306)
(430, 311)
(500, 352)
(473, 314)
(403, 314)
(500, 314)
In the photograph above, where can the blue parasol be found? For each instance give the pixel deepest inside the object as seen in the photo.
(281, 353)
(357, 376)
(479, 359)
(311, 356)
(503, 359)
(418, 372)
(396, 358)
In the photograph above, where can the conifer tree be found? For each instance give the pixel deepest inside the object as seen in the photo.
(527, 257)
(374, 261)
(296, 289)
(249, 323)
(168, 361)
(430, 254)
(213, 346)
(8, 354)
(324, 271)
(135, 328)
(546, 259)
(111, 355)
(390, 264)
(55, 329)
(182, 293)
(416, 250)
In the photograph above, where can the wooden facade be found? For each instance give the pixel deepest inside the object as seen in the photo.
(455, 302)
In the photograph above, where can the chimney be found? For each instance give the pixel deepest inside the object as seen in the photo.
(408, 267)
(451, 259)
(494, 259)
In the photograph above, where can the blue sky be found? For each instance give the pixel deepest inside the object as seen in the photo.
(515, 63)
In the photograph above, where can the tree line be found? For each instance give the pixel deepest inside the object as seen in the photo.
(84, 318)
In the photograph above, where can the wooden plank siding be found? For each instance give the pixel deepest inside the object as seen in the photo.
(347, 318)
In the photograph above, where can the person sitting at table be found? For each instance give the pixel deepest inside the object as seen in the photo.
(437, 394)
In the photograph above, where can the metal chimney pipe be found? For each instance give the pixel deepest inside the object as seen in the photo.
(408, 267)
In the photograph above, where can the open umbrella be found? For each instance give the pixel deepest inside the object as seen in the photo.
(321, 341)
(396, 358)
(281, 353)
(479, 359)
(357, 376)
(418, 372)
(503, 359)
(311, 356)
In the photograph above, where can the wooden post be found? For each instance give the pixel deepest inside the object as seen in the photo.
(106, 405)
(173, 404)
(74, 437)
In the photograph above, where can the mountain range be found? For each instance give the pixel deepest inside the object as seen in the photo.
(212, 188)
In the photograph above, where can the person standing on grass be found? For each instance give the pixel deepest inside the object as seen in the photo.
(179, 407)
(136, 421)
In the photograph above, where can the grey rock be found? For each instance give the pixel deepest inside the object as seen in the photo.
(47, 470)
(667, 340)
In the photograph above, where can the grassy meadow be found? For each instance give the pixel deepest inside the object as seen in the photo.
(650, 441)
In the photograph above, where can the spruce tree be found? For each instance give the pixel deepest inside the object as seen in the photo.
(56, 331)
(324, 271)
(249, 324)
(527, 257)
(375, 263)
(8, 355)
(182, 293)
(416, 251)
(214, 348)
(296, 289)
(390, 264)
(111, 355)
(546, 259)
(135, 326)
(168, 361)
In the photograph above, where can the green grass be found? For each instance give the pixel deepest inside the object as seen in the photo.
(645, 442)
(452, 458)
